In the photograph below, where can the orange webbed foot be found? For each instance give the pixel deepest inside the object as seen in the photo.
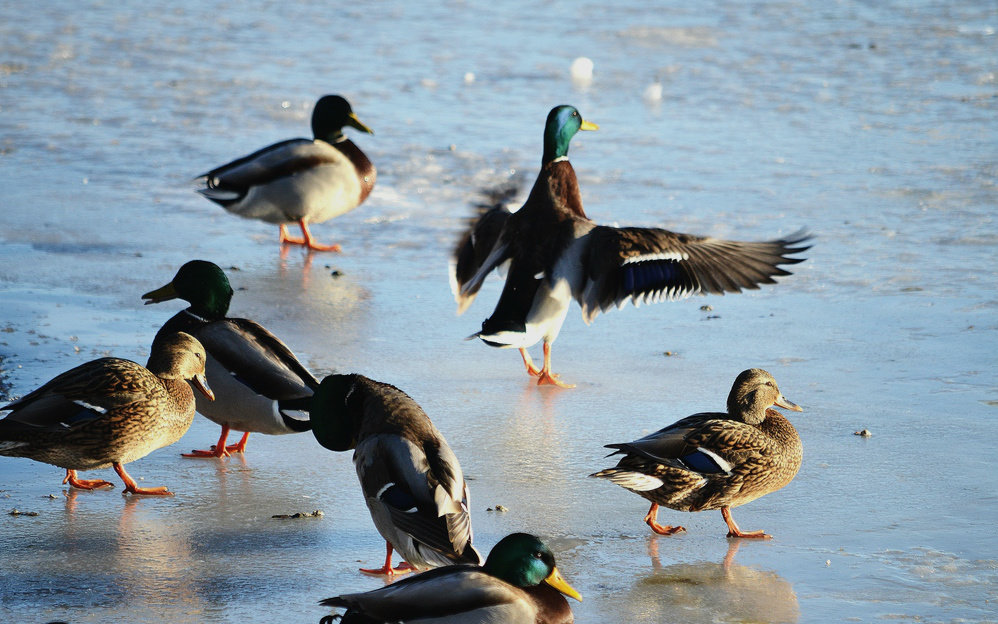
(666, 530)
(388, 570)
(132, 488)
(240, 446)
(306, 239)
(545, 378)
(734, 531)
(216, 451)
(750, 534)
(651, 519)
(155, 491)
(85, 484)
(219, 449)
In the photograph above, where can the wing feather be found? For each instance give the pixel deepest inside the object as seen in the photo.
(231, 181)
(645, 265)
(257, 358)
(479, 249)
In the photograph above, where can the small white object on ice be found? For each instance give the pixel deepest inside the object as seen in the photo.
(653, 92)
(469, 78)
(582, 70)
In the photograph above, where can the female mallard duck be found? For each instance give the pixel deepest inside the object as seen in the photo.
(412, 481)
(519, 584)
(556, 254)
(108, 412)
(715, 460)
(299, 180)
(259, 383)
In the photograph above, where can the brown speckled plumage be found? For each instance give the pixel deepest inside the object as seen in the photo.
(108, 411)
(715, 460)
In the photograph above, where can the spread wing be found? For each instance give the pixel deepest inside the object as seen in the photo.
(230, 182)
(479, 250)
(257, 358)
(650, 265)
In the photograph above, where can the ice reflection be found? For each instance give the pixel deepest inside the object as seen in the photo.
(153, 560)
(712, 592)
(139, 561)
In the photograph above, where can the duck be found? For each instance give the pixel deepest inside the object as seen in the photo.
(109, 412)
(553, 253)
(519, 584)
(715, 460)
(299, 180)
(411, 479)
(260, 386)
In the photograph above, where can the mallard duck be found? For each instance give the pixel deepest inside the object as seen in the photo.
(109, 412)
(299, 180)
(715, 460)
(519, 584)
(556, 254)
(259, 383)
(411, 479)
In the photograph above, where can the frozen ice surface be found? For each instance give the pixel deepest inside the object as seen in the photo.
(872, 125)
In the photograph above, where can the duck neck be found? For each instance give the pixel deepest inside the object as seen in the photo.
(366, 172)
(180, 393)
(557, 189)
(777, 427)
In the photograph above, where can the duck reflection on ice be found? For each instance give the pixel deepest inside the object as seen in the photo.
(712, 592)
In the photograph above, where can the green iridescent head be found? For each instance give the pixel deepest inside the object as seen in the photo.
(562, 124)
(523, 560)
(202, 284)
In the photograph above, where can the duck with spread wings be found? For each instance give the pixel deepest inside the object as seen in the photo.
(555, 254)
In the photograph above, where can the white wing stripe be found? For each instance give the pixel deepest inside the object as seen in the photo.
(675, 256)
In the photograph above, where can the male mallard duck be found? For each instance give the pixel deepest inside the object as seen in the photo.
(108, 412)
(299, 180)
(556, 254)
(715, 460)
(411, 479)
(259, 383)
(519, 584)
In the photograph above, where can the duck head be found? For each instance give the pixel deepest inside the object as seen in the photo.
(753, 392)
(330, 115)
(334, 425)
(523, 560)
(180, 356)
(200, 283)
(562, 124)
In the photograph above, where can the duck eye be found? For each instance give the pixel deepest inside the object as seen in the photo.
(539, 555)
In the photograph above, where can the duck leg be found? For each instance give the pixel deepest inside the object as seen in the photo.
(529, 363)
(133, 488)
(387, 569)
(84, 484)
(545, 376)
(306, 238)
(240, 446)
(651, 518)
(217, 450)
(734, 531)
